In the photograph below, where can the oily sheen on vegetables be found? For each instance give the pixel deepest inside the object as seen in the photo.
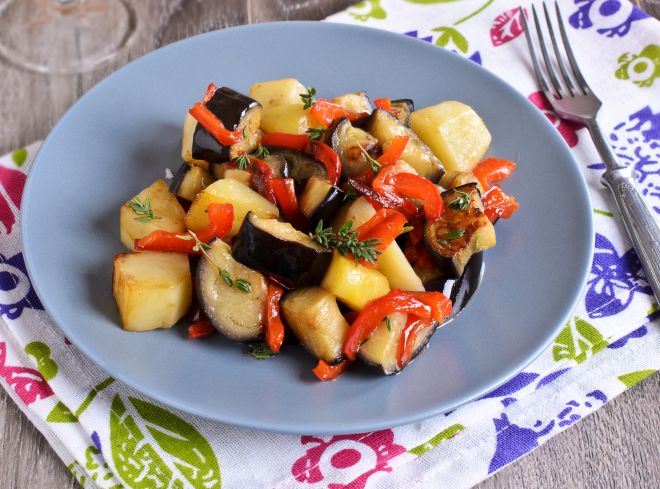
(333, 221)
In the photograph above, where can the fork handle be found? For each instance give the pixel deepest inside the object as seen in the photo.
(640, 223)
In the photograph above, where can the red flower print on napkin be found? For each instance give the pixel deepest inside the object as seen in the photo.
(567, 129)
(12, 183)
(28, 383)
(346, 457)
(506, 27)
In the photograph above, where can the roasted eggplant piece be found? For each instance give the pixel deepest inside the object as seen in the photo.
(402, 109)
(384, 126)
(190, 180)
(276, 248)
(355, 102)
(235, 313)
(320, 200)
(314, 317)
(346, 141)
(453, 179)
(236, 112)
(461, 231)
(296, 164)
(381, 349)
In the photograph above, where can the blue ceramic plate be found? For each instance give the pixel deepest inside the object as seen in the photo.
(122, 135)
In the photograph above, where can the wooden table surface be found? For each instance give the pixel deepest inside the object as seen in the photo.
(615, 447)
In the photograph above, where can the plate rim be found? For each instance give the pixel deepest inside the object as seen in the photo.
(292, 428)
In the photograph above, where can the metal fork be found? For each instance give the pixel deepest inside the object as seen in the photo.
(574, 100)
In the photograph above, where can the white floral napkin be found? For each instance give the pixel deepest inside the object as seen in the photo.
(110, 436)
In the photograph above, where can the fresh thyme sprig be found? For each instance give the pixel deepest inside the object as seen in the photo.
(142, 209)
(308, 98)
(462, 202)
(375, 166)
(406, 229)
(315, 133)
(388, 323)
(346, 241)
(242, 161)
(260, 351)
(261, 152)
(451, 235)
(349, 193)
(240, 283)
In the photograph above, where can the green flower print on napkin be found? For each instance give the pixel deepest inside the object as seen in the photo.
(643, 68)
(375, 11)
(577, 341)
(62, 414)
(448, 34)
(141, 465)
(633, 377)
(41, 353)
(19, 156)
(446, 434)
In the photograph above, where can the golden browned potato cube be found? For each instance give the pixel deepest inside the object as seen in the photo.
(455, 133)
(135, 222)
(292, 119)
(152, 290)
(274, 93)
(228, 191)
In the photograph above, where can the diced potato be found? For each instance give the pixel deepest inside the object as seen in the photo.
(353, 284)
(196, 180)
(396, 267)
(152, 290)
(274, 93)
(313, 315)
(292, 119)
(166, 209)
(228, 191)
(189, 125)
(392, 263)
(243, 176)
(454, 132)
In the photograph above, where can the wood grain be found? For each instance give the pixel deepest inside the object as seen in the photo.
(614, 447)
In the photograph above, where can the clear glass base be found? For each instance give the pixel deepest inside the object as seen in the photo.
(64, 36)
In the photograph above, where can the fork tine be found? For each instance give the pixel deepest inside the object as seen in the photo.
(537, 69)
(558, 56)
(544, 51)
(582, 83)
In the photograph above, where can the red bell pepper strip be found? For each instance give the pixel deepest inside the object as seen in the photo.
(493, 170)
(221, 218)
(326, 111)
(284, 140)
(326, 155)
(167, 241)
(419, 188)
(200, 328)
(383, 103)
(262, 176)
(274, 328)
(439, 303)
(384, 226)
(409, 335)
(324, 372)
(374, 312)
(285, 195)
(379, 201)
(215, 126)
(394, 152)
(498, 204)
(210, 92)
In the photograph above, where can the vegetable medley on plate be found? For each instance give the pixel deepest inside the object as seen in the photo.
(330, 222)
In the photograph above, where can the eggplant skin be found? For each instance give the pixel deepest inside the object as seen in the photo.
(320, 201)
(297, 165)
(346, 140)
(402, 109)
(237, 315)
(234, 110)
(452, 255)
(178, 177)
(278, 249)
